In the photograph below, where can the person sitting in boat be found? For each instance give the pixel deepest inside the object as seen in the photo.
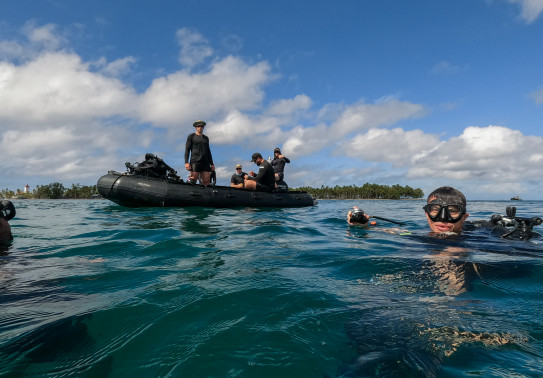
(7, 212)
(278, 164)
(238, 178)
(264, 181)
(201, 162)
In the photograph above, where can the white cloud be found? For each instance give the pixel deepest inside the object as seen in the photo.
(344, 120)
(305, 141)
(57, 88)
(530, 9)
(194, 47)
(538, 96)
(289, 106)
(445, 68)
(232, 129)
(66, 152)
(11, 49)
(116, 68)
(180, 98)
(45, 36)
(492, 153)
(384, 112)
(396, 146)
(36, 40)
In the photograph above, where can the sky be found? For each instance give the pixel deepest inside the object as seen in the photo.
(425, 94)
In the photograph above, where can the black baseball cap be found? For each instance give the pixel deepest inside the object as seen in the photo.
(255, 156)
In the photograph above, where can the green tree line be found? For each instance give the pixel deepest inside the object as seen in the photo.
(54, 190)
(366, 191)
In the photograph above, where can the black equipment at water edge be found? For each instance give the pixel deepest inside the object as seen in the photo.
(7, 210)
(515, 227)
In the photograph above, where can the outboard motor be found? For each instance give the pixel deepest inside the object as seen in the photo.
(516, 227)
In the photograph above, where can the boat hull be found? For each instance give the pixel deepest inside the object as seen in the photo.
(142, 191)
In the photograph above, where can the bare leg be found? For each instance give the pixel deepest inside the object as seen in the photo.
(205, 178)
(250, 184)
(195, 175)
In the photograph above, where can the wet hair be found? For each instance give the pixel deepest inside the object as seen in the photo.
(448, 195)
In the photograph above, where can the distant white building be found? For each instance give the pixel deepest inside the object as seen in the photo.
(26, 189)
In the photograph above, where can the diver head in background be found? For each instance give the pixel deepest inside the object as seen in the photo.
(7, 212)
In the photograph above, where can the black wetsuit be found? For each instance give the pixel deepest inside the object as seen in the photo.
(238, 179)
(278, 165)
(265, 179)
(197, 147)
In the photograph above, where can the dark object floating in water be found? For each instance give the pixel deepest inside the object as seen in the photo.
(510, 226)
(515, 198)
(7, 210)
(153, 183)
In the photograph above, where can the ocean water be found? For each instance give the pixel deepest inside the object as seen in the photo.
(92, 289)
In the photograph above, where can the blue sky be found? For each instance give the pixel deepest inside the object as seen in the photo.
(424, 93)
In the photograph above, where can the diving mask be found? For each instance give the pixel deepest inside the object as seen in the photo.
(441, 212)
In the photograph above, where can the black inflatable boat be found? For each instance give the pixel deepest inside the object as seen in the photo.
(154, 183)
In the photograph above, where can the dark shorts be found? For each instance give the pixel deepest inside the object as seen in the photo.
(281, 176)
(201, 167)
(263, 188)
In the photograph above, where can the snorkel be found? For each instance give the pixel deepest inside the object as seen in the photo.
(517, 227)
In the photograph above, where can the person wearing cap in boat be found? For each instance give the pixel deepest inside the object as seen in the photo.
(238, 178)
(264, 181)
(200, 164)
(278, 164)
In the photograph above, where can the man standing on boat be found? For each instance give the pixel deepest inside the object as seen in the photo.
(201, 162)
(238, 178)
(264, 181)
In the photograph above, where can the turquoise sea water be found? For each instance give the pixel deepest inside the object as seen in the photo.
(92, 289)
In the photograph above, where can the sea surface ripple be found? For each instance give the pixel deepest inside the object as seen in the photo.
(92, 289)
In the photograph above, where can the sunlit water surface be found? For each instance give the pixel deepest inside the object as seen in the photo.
(92, 289)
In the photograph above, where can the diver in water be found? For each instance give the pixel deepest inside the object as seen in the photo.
(446, 213)
(7, 212)
(356, 216)
(446, 210)
(404, 340)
